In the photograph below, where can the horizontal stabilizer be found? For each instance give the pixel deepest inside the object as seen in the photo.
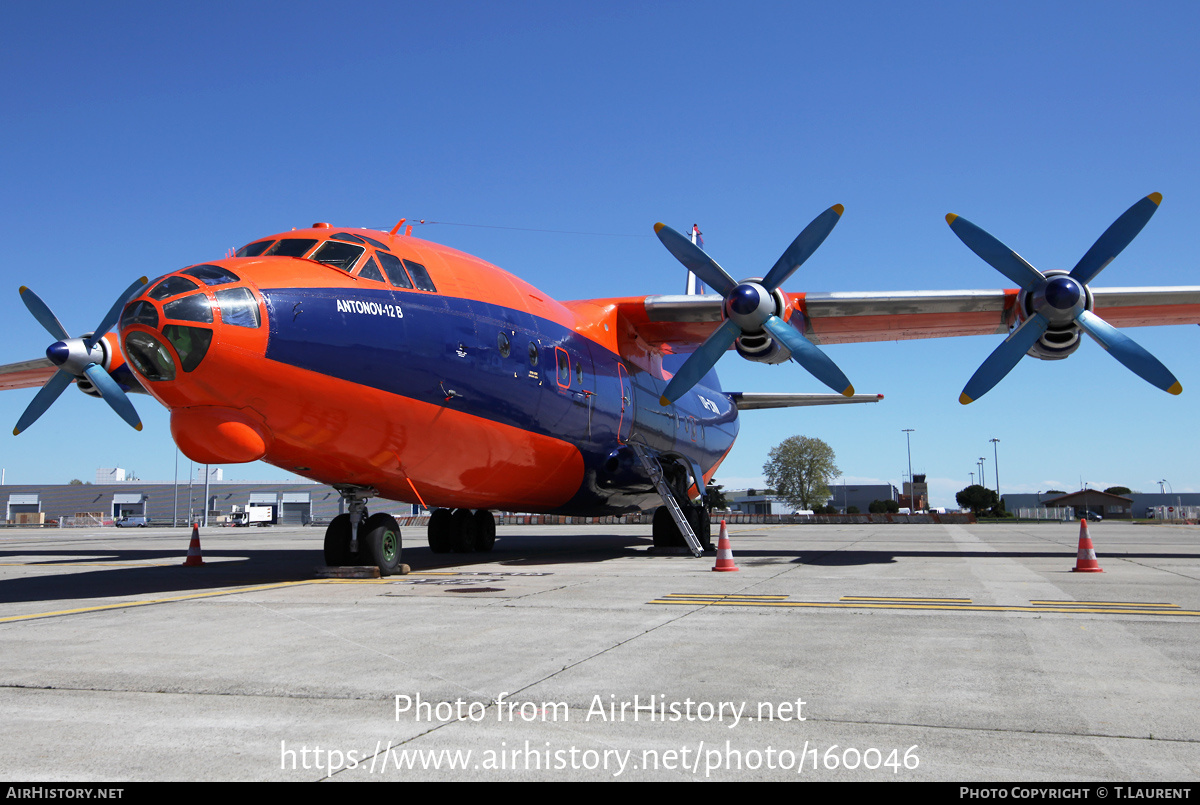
(748, 401)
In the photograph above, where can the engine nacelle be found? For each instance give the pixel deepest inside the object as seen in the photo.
(762, 348)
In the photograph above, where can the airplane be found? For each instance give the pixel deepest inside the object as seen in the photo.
(389, 366)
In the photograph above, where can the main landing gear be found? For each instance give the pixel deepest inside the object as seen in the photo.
(461, 531)
(357, 538)
(666, 533)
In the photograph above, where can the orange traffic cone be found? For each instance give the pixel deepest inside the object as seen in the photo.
(194, 559)
(724, 552)
(1086, 561)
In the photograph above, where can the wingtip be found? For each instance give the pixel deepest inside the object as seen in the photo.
(1156, 198)
(1175, 389)
(950, 218)
(964, 399)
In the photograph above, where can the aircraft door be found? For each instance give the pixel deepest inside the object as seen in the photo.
(625, 427)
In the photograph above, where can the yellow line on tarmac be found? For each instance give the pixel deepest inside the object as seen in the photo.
(1107, 603)
(922, 600)
(189, 597)
(957, 607)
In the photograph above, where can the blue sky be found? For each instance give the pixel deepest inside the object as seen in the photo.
(142, 137)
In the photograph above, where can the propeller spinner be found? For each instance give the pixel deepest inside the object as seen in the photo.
(1058, 299)
(750, 307)
(77, 358)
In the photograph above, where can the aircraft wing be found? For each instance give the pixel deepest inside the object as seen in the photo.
(682, 323)
(750, 401)
(26, 374)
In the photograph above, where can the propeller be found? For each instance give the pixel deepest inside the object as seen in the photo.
(76, 358)
(750, 307)
(1060, 300)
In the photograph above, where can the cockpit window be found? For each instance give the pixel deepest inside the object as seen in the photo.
(172, 286)
(140, 313)
(190, 308)
(149, 356)
(338, 254)
(346, 236)
(191, 343)
(394, 269)
(290, 247)
(370, 271)
(374, 242)
(420, 276)
(254, 249)
(212, 275)
(238, 307)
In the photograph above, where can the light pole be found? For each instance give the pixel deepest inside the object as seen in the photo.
(982, 477)
(996, 466)
(912, 507)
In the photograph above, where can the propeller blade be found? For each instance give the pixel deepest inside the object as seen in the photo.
(995, 253)
(1135, 358)
(110, 318)
(803, 246)
(1116, 238)
(43, 315)
(113, 395)
(700, 362)
(696, 261)
(808, 355)
(1004, 358)
(43, 400)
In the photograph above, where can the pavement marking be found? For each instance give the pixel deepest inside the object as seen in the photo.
(189, 597)
(864, 602)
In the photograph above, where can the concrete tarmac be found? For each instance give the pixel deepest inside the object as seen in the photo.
(864, 652)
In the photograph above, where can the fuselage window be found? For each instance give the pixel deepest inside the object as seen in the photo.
(564, 367)
(533, 354)
(172, 286)
(579, 373)
(370, 270)
(254, 249)
(238, 307)
(395, 270)
(212, 275)
(190, 308)
(338, 254)
(504, 344)
(419, 276)
(290, 247)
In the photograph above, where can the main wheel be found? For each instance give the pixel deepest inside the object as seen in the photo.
(441, 531)
(337, 541)
(379, 539)
(485, 530)
(464, 531)
(665, 532)
(701, 522)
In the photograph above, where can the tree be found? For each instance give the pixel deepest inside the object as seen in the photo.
(977, 498)
(1118, 490)
(800, 469)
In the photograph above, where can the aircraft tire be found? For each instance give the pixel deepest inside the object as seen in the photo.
(463, 531)
(701, 522)
(379, 540)
(665, 532)
(441, 531)
(485, 530)
(337, 541)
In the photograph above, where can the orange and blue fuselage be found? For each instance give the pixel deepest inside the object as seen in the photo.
(470, 388)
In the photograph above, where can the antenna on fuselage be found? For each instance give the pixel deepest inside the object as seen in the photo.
(694, 286)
